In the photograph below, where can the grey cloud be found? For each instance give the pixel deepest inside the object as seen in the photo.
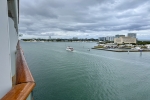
(61, 16)
(131, 4)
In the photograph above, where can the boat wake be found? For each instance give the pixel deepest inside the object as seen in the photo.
(112, 58)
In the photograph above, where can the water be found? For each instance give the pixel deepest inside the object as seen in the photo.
(87, 75)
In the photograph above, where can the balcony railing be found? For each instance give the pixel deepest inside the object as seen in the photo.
(24, 80)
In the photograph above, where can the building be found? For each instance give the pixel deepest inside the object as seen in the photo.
(102, 38)
(75, 38)
(110, 38)
(16, 81)
(133, 35)
(49, 37)
(110, 45)
(148, 46)
(122, 40)
(118, 36)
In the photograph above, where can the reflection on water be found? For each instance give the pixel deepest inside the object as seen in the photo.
(87, 75)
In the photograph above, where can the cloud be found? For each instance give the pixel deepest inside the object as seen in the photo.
(79, 17)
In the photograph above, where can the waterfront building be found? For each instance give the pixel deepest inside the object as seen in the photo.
(110, 38)
(102, 38)
(133, 35)
(49, 37)
(118, 36)
(16, 81)
(75, 38)
(110, 45)
(128, 45)
(148, 46)
(122, 40)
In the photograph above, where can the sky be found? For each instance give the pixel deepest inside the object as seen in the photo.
(84, 18)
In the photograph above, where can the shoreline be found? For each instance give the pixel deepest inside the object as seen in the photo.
(122, 50)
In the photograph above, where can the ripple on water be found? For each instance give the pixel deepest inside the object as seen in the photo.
(82, 75)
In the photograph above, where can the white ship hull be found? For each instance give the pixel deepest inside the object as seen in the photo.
(69, 48)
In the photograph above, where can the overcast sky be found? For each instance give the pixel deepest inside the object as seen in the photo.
(84, 18)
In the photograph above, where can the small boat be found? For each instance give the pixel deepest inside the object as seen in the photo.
(88, 50)
(69, 48)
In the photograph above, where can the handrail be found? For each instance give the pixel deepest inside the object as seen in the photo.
(24, 80)
(22, 71)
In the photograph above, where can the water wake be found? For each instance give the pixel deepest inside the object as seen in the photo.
(112, 58)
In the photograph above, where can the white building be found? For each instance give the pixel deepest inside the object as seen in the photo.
(112, 45)
(102, 38)
(75, 38)
(122, 40)
(110, 38)
(49, 37)
(148, 46)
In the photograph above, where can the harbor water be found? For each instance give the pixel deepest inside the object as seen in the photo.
(87, 75)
